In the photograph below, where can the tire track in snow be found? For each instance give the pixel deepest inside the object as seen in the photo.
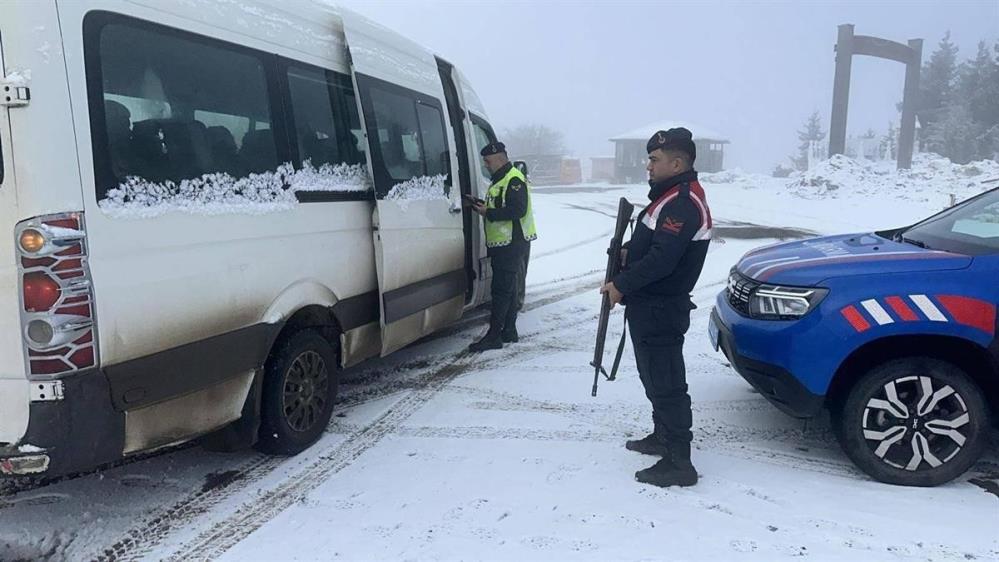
(603, 236)
(136, 542)
(254, 514)
(486, 432)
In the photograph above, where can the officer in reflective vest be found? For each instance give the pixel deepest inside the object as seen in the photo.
(509, 227)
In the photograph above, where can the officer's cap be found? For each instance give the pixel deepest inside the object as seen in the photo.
(493, 148)
(678, 138)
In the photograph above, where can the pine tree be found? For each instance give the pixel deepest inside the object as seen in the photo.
(977, 89)
(977, 86)
(954, 135)
(936, 82)
(966, 127)
(812, 131)
(989, 142)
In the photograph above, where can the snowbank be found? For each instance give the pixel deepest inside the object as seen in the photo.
(930, 176)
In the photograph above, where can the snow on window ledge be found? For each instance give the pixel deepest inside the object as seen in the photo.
(352, 178)
(420, 188)
(222, 194)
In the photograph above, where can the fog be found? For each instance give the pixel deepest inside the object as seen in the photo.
(753, 71)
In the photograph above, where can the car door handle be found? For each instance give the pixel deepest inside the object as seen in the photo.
(454, 211)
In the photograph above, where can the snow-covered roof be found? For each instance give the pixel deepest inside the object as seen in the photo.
(645, 132)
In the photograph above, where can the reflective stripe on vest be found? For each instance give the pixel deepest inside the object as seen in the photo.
(500, 233)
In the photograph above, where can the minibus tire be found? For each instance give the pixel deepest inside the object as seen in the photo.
(872, 441)
(299, 390)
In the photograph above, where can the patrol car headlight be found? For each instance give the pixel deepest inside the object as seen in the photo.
(784, 303)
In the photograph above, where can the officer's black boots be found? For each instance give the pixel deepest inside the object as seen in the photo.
(510, 335)
(674, 469)
(648, 445)
(492, 340)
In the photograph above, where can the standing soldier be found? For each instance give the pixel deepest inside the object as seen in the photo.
(662, 263)
(509, 226)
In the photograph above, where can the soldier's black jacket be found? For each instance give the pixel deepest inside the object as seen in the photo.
(670, 241)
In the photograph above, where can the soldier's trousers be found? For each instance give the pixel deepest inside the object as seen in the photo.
(507, 263)
(657, 330)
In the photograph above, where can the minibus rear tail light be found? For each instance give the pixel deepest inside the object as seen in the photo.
(57, 313)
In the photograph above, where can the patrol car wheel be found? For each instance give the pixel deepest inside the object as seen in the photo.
(914, 422)
(300, 386)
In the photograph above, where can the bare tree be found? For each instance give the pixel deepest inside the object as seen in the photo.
(534, 140)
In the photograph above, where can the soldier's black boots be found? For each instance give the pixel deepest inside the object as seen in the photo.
(674, 469)
(491, 340)
(648, 445)
(664, 474)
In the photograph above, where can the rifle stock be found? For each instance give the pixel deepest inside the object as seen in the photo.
(624, 211)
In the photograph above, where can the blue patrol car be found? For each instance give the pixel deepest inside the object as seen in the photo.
(893, 332)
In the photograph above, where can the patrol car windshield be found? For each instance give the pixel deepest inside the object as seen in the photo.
(971, 228)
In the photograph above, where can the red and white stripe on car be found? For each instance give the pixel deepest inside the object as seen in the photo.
(966, 311)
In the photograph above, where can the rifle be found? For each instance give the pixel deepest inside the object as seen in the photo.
(624, 210)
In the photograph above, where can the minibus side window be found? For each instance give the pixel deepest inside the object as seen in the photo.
(407, 132)
(352, 136)
(175, 107)
(483, 136)
(438, 160)
(316, 100)
(398, 134)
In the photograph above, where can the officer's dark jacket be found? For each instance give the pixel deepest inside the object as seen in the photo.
(669, 244)
(514, 207)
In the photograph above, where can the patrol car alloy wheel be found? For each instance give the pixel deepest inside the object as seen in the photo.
(914, 422)
(299, 390)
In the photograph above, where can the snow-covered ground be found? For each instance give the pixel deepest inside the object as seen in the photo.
(437, 455)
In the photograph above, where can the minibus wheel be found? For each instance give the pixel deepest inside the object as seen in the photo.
(300, 385)
(916, 421)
